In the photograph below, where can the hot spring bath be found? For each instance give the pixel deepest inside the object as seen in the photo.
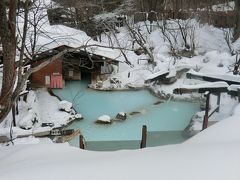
(165, 121)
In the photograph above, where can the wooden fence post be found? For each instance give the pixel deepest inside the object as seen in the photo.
(144, 137)
(205, 119)
(81, 142)
(238, 91)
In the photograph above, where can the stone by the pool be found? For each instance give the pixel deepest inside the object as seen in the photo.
(121, 116)
(104, 119)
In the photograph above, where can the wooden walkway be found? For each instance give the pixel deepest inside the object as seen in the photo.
(229, 79)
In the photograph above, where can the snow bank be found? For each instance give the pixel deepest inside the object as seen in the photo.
(212, 154)
(40, 108)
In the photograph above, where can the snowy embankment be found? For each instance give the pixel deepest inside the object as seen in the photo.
(212, 154)
(40, 108)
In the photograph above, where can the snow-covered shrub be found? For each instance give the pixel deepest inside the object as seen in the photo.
(29, 120)
(31, 99)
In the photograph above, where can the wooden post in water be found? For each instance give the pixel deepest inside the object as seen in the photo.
(218, 101)
(144, 137)
(205, 119)
(81, 142)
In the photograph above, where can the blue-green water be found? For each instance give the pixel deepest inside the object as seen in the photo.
(160, 119)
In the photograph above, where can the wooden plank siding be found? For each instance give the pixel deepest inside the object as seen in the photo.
(38, 79)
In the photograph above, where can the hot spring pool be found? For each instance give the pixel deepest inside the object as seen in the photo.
(165, 121)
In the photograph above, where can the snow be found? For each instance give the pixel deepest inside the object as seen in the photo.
(31, 98)
(42, 106)
(227, 77)
(229, 6)
(65, 106)
(211, 154)
(225, 131)
(234, 87)
(78, 116)
(51, 113)
(104, 118)
(219, 84)
(122, 113)
(27, 121)
(160, 73)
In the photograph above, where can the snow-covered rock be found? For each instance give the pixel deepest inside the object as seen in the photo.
(104, 119)
(78, 116)
(65, 106)
(121, 116)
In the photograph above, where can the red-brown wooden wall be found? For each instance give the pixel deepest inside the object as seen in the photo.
(38, 78)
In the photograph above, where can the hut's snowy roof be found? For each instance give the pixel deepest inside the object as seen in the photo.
(73, 38)
(52, 36)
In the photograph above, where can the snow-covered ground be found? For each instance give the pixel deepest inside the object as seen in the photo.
(228, 6)
(40, 107)
(212, 154)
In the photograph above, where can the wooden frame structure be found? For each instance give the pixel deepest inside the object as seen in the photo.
(207, 92)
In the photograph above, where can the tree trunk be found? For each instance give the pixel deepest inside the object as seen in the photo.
(8, 38)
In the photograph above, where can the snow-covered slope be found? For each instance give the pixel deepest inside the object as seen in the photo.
(212, 154)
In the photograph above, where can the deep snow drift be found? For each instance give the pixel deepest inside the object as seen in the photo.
(212, 154)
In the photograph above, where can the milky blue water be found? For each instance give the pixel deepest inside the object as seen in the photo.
(165, 117)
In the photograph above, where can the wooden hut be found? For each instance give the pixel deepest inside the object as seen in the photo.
(75, 65)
